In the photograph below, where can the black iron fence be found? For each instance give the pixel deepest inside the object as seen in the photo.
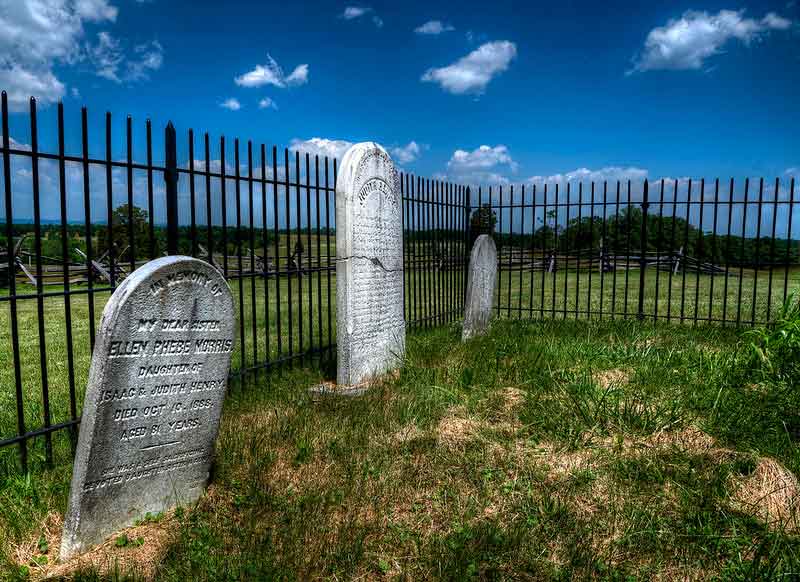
(76, 223)
(435, 250)
(681, 250)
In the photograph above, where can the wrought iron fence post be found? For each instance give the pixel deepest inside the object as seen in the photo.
(467, 243)
(643, 251)
(171, 179)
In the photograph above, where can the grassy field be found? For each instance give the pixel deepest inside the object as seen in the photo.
(673, 295)
(247, 353)
(261, 340)
(545, 450)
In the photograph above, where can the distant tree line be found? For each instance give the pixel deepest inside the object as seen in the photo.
(618, 233)
(134, 227)
(622, 234)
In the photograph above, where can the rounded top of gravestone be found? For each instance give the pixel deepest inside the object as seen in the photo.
(161, 266)
(484, 244)
(363, 162)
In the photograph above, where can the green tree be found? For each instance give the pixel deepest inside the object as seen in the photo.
(482, 221)
(123, 224)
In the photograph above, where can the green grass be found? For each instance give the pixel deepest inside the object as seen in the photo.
(544, 450)
(665, 294)
(520, 294)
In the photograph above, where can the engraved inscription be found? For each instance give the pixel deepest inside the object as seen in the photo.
(156, 388)
(379, 187)
(369, 266)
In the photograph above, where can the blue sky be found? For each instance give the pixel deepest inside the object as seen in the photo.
(475, 92)
(551, 94)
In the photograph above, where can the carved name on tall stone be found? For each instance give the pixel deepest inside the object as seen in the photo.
(152, 407)
(481, 281)
(369, 266)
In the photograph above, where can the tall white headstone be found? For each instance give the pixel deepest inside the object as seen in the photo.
(481, 281)
(152, 407)
(369, 266)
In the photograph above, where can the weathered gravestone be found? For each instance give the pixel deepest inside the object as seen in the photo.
(481, 282)
(152, 407)
(369, 266)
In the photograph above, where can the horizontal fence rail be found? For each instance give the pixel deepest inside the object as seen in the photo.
(76, 224)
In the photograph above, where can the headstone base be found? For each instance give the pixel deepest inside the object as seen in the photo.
(329, 389)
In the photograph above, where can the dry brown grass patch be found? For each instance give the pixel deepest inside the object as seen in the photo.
(771, 494)
(106, 558)
(285, 471)
(561, 463)
(511, 398)
(683, 572)
(608, 378)
(406, 434)
(646, 343)
(456, 429)
(26, 553)
(689, 439)
(259, 419)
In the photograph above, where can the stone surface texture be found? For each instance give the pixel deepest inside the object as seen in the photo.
(481, 281)
(152, 407)
(369, 266)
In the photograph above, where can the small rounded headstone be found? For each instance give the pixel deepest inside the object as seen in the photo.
(481, 281)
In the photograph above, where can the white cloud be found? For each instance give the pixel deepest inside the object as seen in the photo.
(686, 42)
(38, 32)
(16, 145)
(21, 83)
(483, 165)
(231, 103)
(318, 146)
(433, 27)
(106, 56)
(407, 153)
(299, 76)
(149, 57)
(471, 74)
(481, 158)
(776, 22)
(488, 165)
(96, 10)
(336, 148)
(353, 12)
(110, 62)
(37, 35)
(214, 165)
(272, 74)
(267, 103)
(607, 174)
(269, 74)
(792, 172)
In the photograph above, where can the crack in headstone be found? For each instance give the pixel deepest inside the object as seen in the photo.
(374, 260)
